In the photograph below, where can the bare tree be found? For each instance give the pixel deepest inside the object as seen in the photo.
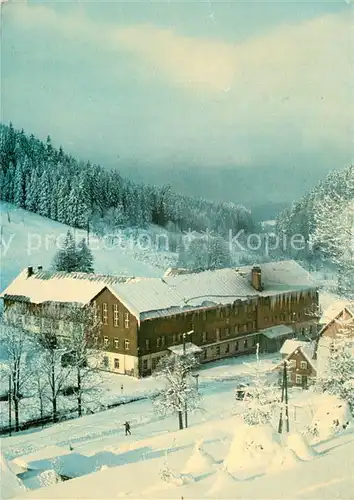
(84, 350)
(51, 348)
(179, 392)
(16, 345)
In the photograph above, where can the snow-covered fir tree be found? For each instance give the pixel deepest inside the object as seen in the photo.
(179, 392)
(85, 257)
(337, 373)
(67, 258)
(86, 192)
(204, 252)
(261, 396)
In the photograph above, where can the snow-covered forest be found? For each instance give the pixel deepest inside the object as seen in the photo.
(45, 180)
(324, 217)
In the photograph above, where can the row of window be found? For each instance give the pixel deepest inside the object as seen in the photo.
(303, 364)
(116, 316)
(246, 343)
(116, 343)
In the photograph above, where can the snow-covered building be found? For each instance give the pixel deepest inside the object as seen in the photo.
(228, 310)
(301, 365)
(341, 324)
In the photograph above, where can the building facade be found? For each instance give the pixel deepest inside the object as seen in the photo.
(228, 311)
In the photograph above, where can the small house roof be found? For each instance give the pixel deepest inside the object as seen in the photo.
(190, 348)
(290, 345)
(275, 332)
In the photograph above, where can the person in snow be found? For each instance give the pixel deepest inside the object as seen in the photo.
(127, 429)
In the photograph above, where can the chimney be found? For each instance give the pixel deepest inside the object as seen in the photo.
(39, 268)
(29, 271)
(256, 278)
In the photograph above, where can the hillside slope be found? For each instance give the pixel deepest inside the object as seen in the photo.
(28, 239)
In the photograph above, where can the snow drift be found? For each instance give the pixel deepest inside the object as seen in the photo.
(331, 417)
(253, 447)
(199, 462)
(11, 486)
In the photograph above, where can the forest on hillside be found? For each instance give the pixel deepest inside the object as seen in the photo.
(38, 177)
(325, 218)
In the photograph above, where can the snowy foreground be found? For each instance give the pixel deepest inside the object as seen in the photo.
(216, 457)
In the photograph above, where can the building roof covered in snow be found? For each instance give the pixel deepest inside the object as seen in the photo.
(281, 276)
(277, 331)
(189, 348)
(39, 286)
(153, 297)
(290, 345)
(306, 348)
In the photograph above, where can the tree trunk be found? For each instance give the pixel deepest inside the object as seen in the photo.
(180, 419)
(54, 396)
(79, 396)
(16, 397)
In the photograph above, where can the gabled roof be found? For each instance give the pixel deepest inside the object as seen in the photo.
(307, 350)
(349, 308)
(290, 345)
(43, 286)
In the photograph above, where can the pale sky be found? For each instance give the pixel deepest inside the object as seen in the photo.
(171, 82)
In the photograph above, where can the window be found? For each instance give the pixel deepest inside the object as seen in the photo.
(205, 336)
(180, 337)
(303, 365)
(162, 341)
(292, 363)
(116, 363)
(116, 343)
(254, 341)
(147, 344)
(253, 325)
(106, 361)
(153, 363)
(158, 342)
(105, 341)
(227, 348)
(218, 350)
(298, 379)
(245, 344)
(227, 332)
(236, 329)
(174, 338)
(236, 346)
(115, 315)
(126, 344)
(204, 315)
(126, 320)
(145, 364)
(244, 328)
(105, 313)
(217, 332)
(205, 354)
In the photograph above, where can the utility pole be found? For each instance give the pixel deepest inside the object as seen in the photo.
(284, 399)
(184, 354)
(10, 400)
